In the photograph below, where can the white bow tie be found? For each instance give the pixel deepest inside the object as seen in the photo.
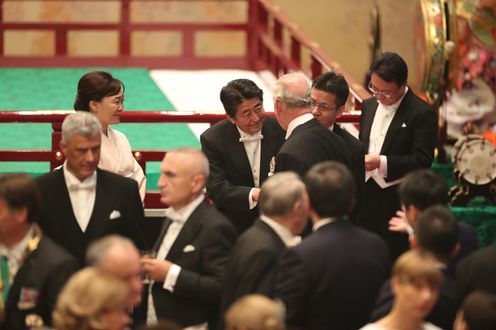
(173, 215)
(248, 138)
(294, 241)
(82, 186)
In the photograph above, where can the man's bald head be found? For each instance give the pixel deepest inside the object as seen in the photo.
(117, 256)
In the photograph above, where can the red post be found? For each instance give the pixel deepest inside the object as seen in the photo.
(2, 31)
(61, 42)
(278, 34)
(56, 137)
(252, 35)
(316, 68)
(296, 51)
(188, 43)
(124, 31)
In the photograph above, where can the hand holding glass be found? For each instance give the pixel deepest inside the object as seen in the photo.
(147, 254)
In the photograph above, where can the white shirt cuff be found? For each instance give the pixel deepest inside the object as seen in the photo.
(383, 166)
(409, 230)
(171, 278)
(251, 202)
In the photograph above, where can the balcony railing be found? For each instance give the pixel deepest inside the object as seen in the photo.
(56, 158)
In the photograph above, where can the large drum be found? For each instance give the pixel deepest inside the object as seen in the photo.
(474, 160)
(435, 37)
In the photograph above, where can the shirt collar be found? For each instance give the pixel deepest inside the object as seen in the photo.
(17, 251)
(322, 222)
(286, 236)
(244, 134)
(297, 122)
(70, 179)
(185, 212)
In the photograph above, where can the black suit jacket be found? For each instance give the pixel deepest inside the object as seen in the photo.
(357, 152)
(197, 293)
(113, 192)
(411, 137)
(331, 279)
(44, 271)
(252, 264)
(311, 143)
(443, 313)
(477, 272)
(467, 237)
(231, 178)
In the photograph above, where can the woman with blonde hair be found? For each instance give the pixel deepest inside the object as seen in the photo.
(255, 312)
(92, 300)
(415, 282)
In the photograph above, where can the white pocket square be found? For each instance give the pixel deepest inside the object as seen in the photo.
(114, 215)
(404, 125)
(188, 248)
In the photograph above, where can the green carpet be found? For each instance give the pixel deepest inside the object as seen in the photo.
(55, 89)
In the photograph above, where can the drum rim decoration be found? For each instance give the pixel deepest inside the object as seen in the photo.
(439, 23)
(461, 165)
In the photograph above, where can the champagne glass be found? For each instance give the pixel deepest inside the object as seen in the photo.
(145, 277)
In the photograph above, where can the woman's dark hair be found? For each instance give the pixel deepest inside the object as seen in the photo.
(94, 86)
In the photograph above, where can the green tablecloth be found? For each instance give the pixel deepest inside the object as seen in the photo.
(482, 218)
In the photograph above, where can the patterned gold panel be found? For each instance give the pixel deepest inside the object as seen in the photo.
(188, 11)
(156, 43)
(61, 11)
(29, 43)
(93, 43)
(214, 43)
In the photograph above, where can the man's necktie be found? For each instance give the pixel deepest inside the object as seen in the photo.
(5, 277)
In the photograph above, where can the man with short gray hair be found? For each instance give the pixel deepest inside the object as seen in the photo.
(252, 264)
(81, 202)
(307, 141)
(116, 255)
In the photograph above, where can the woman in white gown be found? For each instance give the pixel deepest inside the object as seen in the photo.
(103, 95)
(415, 282)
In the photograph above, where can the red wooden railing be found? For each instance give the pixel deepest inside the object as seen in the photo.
(56, 158)
(268, 49)
(186, 59)
(266, 31)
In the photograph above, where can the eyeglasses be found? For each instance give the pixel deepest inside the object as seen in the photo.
(376, 92)
(258, 111)
(322, 107)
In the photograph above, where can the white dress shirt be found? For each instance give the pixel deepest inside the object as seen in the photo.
(383, 117)
(82, 195)
(253, 149)
(297, 122)
(116, 157)
(284, 234)
(179, 218)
